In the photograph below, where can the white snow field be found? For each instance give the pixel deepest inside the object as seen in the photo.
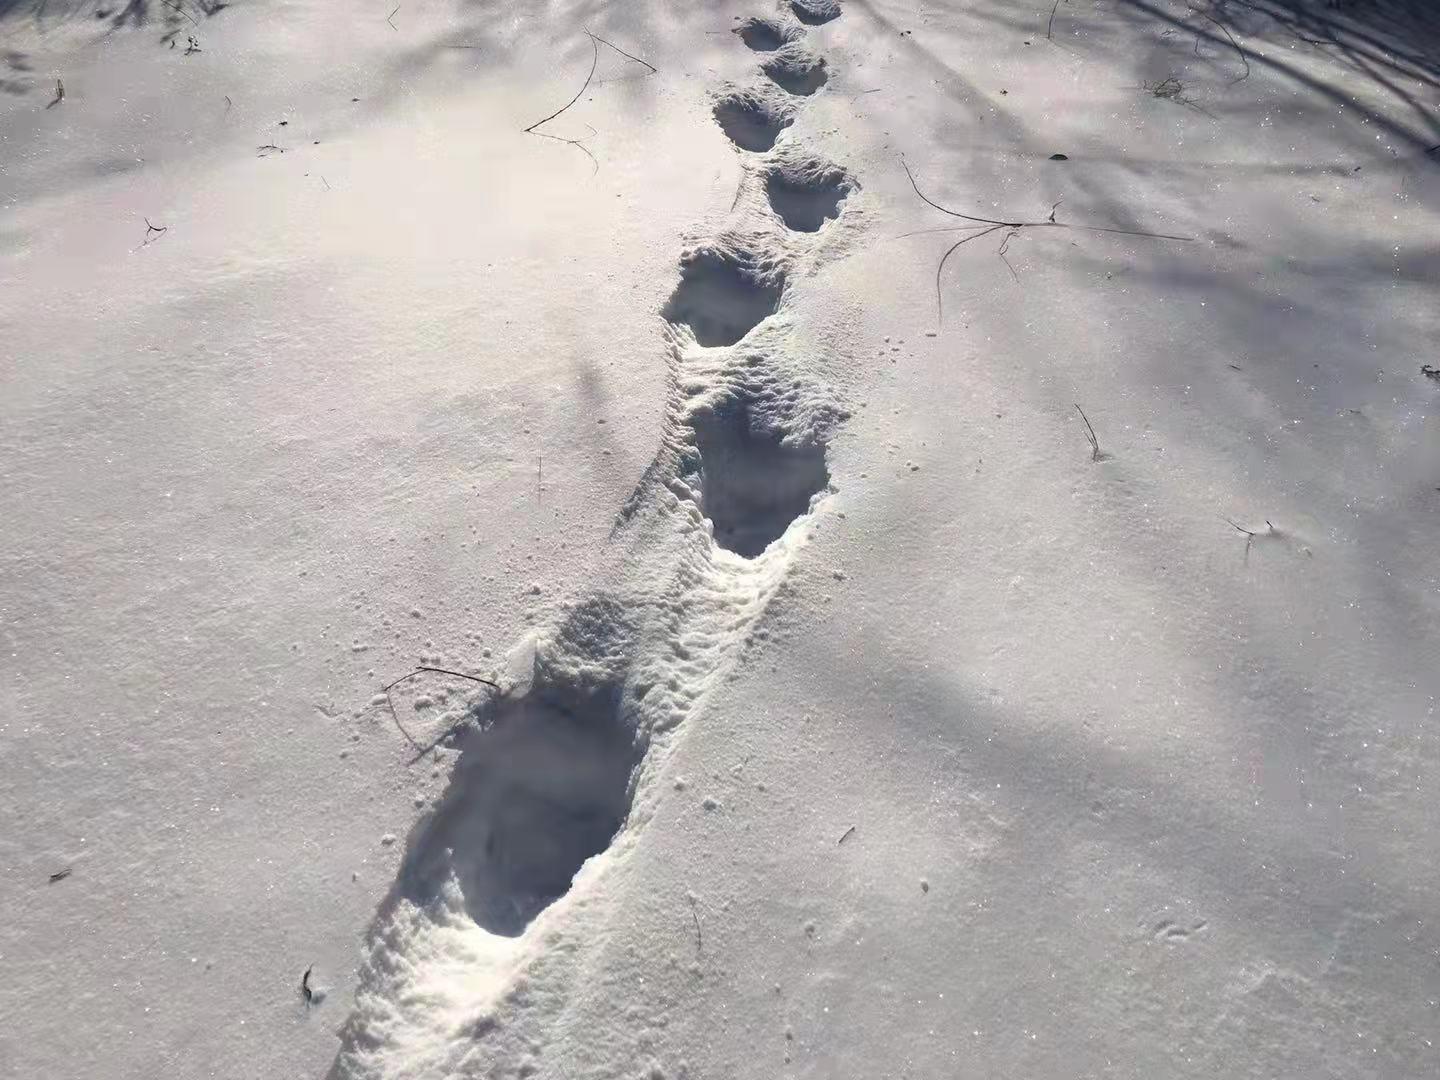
(821, 694)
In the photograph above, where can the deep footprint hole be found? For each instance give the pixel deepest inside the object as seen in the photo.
(796, 70)
(750, 120)
(538, 788)
(752, 484)
(765, 35)
(806, 199)
(721, 299)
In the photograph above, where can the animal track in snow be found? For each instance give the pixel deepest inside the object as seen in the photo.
(752, 118)
(722, 296)
(815, 12)
(796, 70)
(767, 35)
(806, 191)
(752, 482)
(536, 791)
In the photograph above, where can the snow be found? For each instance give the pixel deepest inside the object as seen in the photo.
(850, 716)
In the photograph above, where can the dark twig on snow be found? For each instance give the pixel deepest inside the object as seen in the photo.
(595, 43)
(153, 232)
(182, 11)
(622, 52)
(984, 226)
(404, 678)
(846, 835)
(268, 149)
(1090, 434)
(1251, 535)
(1005, 246)
(60, 875)
(305, 991)
(1050, 26)
(391, 16)
(594, 62)
(59, 94)
(1231, 37)
(1172, 89)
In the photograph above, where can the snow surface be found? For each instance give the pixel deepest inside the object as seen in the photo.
(851, 716)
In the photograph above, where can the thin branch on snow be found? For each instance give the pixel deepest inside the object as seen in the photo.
(594, 62)
(1172, 89)
(390, 701)
(1231, 37)
(985, 226)
(153, 232)
(182, 11)
(391, 16)
(595, 43)
(1005, 246)
(1095, 454)
(653, 69)
(1270, 534)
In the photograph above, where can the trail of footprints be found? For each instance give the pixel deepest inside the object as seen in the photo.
(753, 473)
(551, 771)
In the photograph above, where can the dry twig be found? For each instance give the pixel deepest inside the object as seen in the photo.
(422, 750)
(594, 62)
(1090, 434)
(153, 232)
(595, 43)
(653, 69)
(182, 11)
(984, 226)
(1251, 535)
(1234, 44)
